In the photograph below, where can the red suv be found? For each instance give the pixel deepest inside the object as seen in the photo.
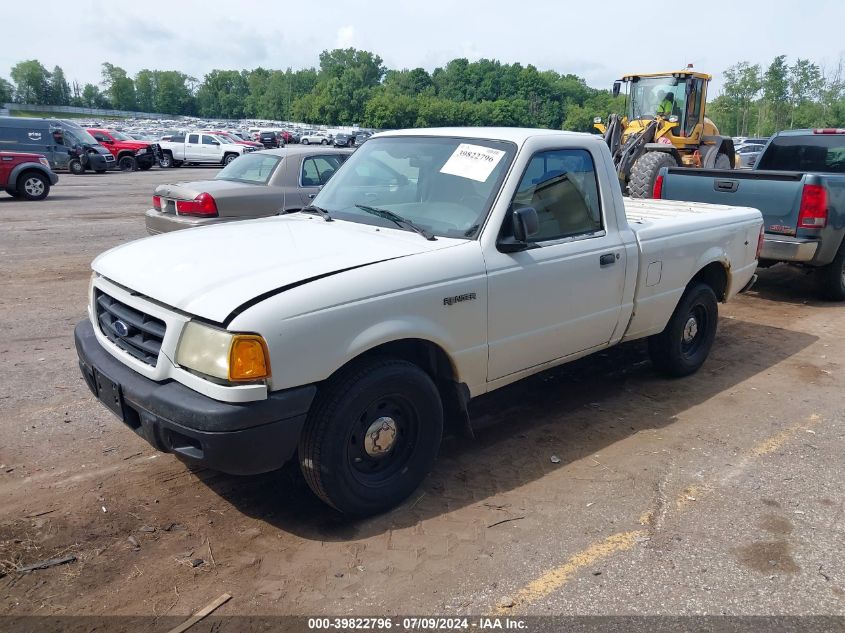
(129, 153)
(26, 176)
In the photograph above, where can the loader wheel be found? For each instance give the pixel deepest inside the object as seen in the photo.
(644, 173)
(722, 162)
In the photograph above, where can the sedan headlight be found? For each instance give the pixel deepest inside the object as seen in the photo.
(221, 354)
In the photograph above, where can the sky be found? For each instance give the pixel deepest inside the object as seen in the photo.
(599, 41)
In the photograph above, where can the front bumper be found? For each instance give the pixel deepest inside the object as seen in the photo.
(788, 249)
(237, 438)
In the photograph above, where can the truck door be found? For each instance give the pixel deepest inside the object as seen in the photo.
(193, 149)
(211, 150)
(565, 295)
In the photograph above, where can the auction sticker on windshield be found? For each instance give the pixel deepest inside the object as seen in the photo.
(472, 161)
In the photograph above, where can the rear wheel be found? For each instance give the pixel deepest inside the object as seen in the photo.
(76, 167)
(682, 347)
(33, 185)
(832, 277)
(644, 173)
(372, 436)
(127, 163)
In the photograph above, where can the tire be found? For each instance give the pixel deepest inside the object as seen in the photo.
(166, 161)
(76, 167)
(324, 142)
(305, 141)
(127, 163)
(723, 161)
(341, 462)
(832, 277)
(228, 158)
(33, 185)
(682, 347)
(644, 173)
(13, 193)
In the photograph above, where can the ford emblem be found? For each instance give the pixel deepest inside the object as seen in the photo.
(121, 329)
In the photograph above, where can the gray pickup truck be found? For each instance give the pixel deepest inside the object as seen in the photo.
(798, 184)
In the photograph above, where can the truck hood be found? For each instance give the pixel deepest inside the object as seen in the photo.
(134, 144)
(211, 271)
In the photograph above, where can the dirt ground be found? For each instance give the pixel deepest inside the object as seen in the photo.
(596, 488)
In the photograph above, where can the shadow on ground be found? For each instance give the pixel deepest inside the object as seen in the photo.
(576, 410)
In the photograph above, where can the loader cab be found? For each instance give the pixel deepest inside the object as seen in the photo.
(646, 93)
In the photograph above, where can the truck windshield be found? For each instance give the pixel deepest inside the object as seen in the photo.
(78, 136)
(444, 185)
(808, 152)
(121, 137)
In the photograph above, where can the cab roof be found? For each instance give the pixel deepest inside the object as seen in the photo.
(686, 72)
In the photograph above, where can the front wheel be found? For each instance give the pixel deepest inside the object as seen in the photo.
(683, 345)
(305, 141)
(33, 185)
(324, 142)
(166, 161)
(644, 173)
(127, 163)
(229, 158)
(832, 277)
(76, 167)
(372, 436)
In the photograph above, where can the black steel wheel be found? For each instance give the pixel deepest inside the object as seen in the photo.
(371, 436)
(684, 344)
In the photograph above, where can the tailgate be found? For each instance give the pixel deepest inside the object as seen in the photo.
(777, 194)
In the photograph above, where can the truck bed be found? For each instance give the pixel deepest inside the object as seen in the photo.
(674, 238)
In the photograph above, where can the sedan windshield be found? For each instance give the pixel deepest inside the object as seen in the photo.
(443, 185)
(252, 168)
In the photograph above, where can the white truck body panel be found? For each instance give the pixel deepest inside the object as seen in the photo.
(322, 293)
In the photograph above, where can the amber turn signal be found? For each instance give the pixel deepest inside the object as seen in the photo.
(248, 358)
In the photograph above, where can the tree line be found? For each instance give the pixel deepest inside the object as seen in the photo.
(759, 102)
(352, 86)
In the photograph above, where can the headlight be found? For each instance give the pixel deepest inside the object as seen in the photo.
(222, 354)
(139, 152)
(44, 162)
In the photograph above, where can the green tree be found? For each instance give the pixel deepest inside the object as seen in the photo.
(805, 84)
(145, 89)
(118, 86)
(59, 89)
(93, 98)
(6, 91)
(223, 93)
(32, 82)
(775, 95)
(742, 84)
(172, 93)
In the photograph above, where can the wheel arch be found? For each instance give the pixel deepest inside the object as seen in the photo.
(716, 275)
(19, 170)
(433, 359)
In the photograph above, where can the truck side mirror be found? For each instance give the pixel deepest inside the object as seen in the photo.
(525, 224)
(617, 86)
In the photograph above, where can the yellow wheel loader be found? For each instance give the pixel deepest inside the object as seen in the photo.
(663, 126)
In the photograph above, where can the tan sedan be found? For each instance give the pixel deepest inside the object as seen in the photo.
(254, 185)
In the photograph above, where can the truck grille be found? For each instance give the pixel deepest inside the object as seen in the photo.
(131, 330)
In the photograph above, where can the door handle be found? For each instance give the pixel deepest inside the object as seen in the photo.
(607, 259)
(312, 195)
(726, 185)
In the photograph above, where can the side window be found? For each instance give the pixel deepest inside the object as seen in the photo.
(207, 140)
(177, 138)
(317, 170)
(561, 185)
(193, 138)
(100, 137)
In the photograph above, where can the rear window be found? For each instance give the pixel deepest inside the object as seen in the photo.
(816, 153)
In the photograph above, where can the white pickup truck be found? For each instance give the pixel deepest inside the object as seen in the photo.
(201, 148)
(435, 266)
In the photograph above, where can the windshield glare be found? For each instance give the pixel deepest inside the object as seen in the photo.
(445, 185)
(648, 93)
(121, 136)
(251, 168)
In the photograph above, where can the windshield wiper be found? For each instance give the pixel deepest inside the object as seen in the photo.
(317, 211)
(397, 219)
